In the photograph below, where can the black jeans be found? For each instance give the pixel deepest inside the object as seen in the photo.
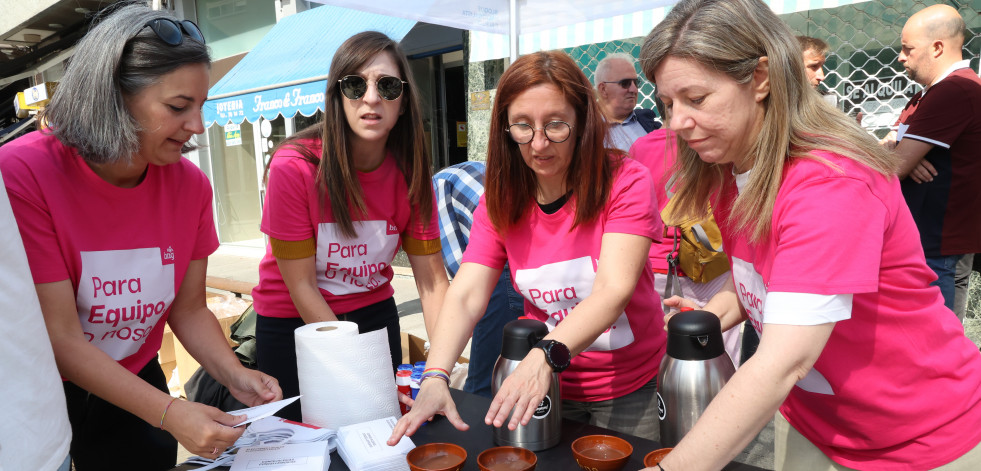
(105, 437)
(276, 345)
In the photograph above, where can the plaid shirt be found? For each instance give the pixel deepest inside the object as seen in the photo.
(458, 189)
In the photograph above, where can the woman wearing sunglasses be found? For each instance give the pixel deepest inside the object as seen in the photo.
(118, 228)
(574, 221)
(342, 196)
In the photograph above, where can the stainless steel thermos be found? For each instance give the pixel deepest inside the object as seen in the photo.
(693, 370)
(545, 428)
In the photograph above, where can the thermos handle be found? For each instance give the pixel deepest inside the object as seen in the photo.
(533, 339)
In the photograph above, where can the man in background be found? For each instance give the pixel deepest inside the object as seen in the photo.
(616, 93)
(815, 55)
(938, 142)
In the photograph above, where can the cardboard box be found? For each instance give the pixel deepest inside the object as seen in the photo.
(167, 347)
(414, 349)
(186, 365)
(227, 309)
(170, 370)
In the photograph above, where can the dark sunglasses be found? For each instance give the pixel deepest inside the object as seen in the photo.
(625, 83)
(172, 32)
(355, 86)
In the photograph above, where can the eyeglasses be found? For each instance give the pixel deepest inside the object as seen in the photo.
(625, 83)
(555, 131)
(170, 31)
(355, 86)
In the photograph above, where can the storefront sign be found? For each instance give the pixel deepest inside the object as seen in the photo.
(39, 95)
(233, 135)
(879, 89)
(480, 100)
(461, 134)
(305, 98)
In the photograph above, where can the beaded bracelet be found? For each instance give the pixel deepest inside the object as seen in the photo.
(165, 412)
(435, 374)
(427, 370)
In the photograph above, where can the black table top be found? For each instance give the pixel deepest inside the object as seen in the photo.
(481, 437)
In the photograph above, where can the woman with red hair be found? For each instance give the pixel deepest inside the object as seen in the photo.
(574, 220)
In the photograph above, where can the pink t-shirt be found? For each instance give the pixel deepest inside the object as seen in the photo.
(898, 385)
(351, 273)
(125, 250)
(554, 269)
(657, 151)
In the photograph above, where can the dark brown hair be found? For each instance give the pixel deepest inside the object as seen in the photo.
(808, 43)
(510, 184)
(336, 176)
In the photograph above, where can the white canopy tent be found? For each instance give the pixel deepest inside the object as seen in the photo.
(544, 24)
(502, 17)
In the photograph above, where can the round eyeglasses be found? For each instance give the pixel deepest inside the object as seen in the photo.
(555, 131)
(355, 86)
(170, 31)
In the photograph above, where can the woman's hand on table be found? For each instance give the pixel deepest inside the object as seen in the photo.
(522, 391)
(433, 398)
(202, 430)
(254, 388)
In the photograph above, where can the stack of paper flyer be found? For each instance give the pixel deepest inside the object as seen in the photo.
(310, 456)
(362, 446)
(264, 429)
(279, 430)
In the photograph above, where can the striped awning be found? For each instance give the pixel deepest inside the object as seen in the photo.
(285, 73)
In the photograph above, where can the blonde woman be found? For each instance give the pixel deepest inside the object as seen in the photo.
(826, 261)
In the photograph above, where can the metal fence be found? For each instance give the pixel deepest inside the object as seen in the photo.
(863, 73)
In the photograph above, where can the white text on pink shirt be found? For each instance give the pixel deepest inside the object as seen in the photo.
(355, 265)
(122, 295)
(556, 288)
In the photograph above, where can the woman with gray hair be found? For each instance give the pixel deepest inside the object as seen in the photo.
(118, 227)
(826, 261)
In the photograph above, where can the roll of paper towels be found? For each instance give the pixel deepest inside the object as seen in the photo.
(345, 377)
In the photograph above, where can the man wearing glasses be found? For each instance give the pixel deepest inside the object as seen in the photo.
(616, 93)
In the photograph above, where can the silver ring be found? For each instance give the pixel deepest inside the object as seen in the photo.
(215, 452)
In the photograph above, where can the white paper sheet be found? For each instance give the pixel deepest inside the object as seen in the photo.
(265, 410)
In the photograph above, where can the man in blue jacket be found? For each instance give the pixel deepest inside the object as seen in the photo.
(616, 93)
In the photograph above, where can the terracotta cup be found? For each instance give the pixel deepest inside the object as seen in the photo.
(655, 457)
(601, 452)
(507, 458)
(436, 457)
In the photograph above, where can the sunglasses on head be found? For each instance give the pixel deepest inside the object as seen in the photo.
(355, 86)
(625, 83)
(172, 32)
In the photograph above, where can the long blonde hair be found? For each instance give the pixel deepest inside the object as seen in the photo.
(731, 36)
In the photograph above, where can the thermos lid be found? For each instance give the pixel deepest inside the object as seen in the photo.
(695, 335)
(520, 336)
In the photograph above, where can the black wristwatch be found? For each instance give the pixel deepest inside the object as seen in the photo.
(556, 354)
